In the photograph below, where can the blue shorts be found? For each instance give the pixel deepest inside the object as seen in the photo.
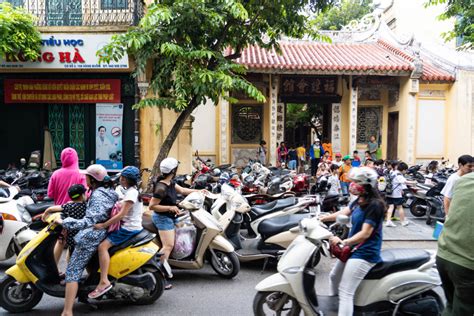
(122, 235)
(163, 222)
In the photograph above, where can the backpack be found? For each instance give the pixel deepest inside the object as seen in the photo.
(115, 210)
(389, 186)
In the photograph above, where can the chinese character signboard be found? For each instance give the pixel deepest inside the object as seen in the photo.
(66, 51)
(108, 144)
(336, 127)
(307, 86)
(62, 91)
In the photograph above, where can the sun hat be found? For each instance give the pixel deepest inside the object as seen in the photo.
(338, 155)
(347, 157)
(97, 172)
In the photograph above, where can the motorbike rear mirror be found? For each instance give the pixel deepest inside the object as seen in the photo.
(342, 219)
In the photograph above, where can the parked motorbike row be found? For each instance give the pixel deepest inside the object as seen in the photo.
(424, 198)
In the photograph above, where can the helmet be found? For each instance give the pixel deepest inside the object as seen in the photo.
(363, 175)
(168, 164)
(338, 155)
(347, 157)
(216, 172)
(316, 140)
(97, 172)
(131, 172)
(76, 191)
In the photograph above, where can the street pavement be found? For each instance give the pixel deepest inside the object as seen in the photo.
(202, 292)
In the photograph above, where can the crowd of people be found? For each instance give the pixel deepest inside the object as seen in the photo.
(97, 215)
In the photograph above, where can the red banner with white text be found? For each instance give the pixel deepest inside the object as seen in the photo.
(62, 91)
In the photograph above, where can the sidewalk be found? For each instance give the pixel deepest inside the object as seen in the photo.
(417, 230)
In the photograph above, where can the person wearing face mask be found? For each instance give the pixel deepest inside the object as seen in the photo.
(367, 214)
(164, 206)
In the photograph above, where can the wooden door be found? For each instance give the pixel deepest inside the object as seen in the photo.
(392, 139)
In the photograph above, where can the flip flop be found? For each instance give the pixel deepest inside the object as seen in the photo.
(168, 286)
(99, 292)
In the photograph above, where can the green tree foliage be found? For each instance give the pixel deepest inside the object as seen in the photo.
(18, 33)
(463, 12)
(192, 46)
(343, 12)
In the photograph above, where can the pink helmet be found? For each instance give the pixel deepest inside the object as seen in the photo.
(97, 172)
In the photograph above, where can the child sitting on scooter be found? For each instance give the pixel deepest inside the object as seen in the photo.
(130, 216)
(76, 208)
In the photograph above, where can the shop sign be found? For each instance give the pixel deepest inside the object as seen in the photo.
(67, 51)
(62, 90)
(308, 86)
(336, 127)
(108, 144)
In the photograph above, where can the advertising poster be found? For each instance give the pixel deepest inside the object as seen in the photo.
(108, 145)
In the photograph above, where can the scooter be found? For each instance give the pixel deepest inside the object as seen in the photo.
(273, 235)
(210, 242)
(403, 283)
(134, 271)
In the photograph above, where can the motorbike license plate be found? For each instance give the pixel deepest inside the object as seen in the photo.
(313, 209)
(409, 201)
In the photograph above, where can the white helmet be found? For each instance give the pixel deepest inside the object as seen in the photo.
(364, 175)
(168, 164)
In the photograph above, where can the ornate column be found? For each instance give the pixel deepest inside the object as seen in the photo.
(411, 116)
(353, 119)
(273, 120)
(140, 93)
(224, 142)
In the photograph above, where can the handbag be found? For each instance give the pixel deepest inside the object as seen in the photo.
(344, 252)
(115, 210)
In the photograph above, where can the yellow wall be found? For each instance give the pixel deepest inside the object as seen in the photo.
(401, 108)
(155, 125)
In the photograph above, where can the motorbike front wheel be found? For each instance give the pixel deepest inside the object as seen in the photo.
(226, 264)
(18, 297)
(266, 303)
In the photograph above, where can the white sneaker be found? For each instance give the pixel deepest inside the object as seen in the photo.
(390, 224)
(405, 223)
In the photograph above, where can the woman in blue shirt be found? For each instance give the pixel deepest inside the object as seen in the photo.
(367, 213)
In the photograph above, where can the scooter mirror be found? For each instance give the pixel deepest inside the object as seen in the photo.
(342, 219)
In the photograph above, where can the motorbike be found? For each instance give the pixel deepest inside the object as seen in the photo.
(273, 237)
(134, 271)
(403, 283)
(427, 200)
(210, 241)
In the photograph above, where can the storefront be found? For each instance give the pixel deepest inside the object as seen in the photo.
(83, 104)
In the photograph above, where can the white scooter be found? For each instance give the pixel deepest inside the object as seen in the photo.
(403, 284)
(14, 219)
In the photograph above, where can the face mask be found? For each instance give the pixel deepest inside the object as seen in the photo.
(356, 189)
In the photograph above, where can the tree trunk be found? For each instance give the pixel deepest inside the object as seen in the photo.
(169, 141)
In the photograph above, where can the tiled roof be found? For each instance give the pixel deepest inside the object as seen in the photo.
(358, 58)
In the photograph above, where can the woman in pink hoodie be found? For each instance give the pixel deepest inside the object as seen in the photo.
(64, 178)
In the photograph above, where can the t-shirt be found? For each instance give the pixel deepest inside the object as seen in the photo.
(337, 163)
(398, 184)
(335, 188)
(456, 243)
(372, 214)
(301, 153)
(76, 210)
(344, 173)
(449, 186)
(133, 220)
(167, 195)
(356, 162)
(292, 155)
(372, 147)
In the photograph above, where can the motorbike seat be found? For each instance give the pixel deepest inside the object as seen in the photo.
(35, 209)
(139, 239)
(277, 205)
(274, 226)
(396, 260)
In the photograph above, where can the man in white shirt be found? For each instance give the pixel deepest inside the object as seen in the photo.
(103, 145)
(466, 165)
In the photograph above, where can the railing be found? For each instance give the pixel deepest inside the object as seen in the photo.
(83, 12)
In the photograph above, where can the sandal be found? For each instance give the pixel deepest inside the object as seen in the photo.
(99, 292)
(168, 285)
